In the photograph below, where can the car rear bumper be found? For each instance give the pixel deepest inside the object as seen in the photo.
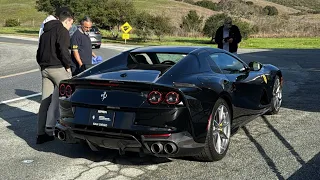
(160, 145)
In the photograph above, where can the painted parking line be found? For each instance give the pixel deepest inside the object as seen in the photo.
(20, 98)
(17, 74)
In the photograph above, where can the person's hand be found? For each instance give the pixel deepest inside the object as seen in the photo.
(230, 40)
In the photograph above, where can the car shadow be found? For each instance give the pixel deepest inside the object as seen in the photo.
(309, 170)
(24, 125)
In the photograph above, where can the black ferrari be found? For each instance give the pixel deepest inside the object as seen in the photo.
(167, 101)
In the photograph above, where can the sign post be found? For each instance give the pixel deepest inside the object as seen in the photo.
(126, 28)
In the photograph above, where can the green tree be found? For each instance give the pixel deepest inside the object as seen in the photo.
(161, 26)
(143, 25)
(102, 12)
(49, 6)
(213, 23)
(192, 22)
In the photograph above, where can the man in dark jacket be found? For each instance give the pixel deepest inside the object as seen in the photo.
(54, 59)
(228, 36)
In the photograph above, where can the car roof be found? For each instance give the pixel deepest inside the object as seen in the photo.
(174, 49)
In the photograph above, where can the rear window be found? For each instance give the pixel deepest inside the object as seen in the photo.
(171, 57)
(158, 58)
(154, 61)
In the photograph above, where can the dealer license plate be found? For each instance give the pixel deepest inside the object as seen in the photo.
(103, 118)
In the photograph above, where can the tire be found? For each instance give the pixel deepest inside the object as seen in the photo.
(276, 97)
(211, 152)
(98, 46)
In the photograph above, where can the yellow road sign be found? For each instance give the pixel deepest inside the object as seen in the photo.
(125, 36)
(126, 28)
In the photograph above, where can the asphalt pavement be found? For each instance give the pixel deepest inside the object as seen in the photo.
(283, 146)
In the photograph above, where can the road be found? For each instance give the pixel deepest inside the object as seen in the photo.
(284, 146)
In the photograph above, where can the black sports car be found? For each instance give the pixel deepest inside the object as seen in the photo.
(167, 101)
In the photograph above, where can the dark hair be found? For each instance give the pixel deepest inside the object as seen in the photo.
(86, 18)
(62, 9)
(65, 15)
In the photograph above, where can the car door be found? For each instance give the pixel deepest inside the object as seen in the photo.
(246, 86)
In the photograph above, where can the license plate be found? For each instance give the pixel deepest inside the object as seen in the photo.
(103, 118)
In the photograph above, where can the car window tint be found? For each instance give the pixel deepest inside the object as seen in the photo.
(227, 63)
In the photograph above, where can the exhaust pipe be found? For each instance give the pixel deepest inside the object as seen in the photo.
(62, 135)
(156, 148)
(170, 148)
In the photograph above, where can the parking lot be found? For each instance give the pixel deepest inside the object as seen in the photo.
(283, 146)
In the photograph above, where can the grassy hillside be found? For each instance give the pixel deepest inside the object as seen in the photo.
(289, 23)
(312, 4)
(24, 10)
(170, 8)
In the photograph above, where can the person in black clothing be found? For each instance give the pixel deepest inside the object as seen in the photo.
(81, 47)
(228, 36)
(54, 60)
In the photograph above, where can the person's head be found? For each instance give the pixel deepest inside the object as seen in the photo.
(59, 10)
(227, 22)
(86, 24)
(66, 18)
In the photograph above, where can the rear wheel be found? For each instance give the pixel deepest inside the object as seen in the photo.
(98, 46)
(218, 134)
(276, 96)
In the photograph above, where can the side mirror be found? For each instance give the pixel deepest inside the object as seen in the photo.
(255, 66)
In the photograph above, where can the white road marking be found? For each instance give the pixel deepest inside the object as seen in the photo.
(20, 98)
(17, 74)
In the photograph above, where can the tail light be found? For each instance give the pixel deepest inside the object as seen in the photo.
(65, 90)
(172, 98)
(156, 97)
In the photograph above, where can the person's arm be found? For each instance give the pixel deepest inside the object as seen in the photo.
(75, 42)
(63, 42)
(218, 38)
(93, 54)
(237, 39)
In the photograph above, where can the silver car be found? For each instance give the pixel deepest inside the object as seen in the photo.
(94, 34)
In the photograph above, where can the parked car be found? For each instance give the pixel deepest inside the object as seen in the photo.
(167, 101)
(94, 34)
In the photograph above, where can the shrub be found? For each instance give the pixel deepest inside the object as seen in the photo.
(192, 22)
(215, 21)
(189, 1)
(161, 26)
(207, 4)
(11, 23)
(270, 11)
(250, 3)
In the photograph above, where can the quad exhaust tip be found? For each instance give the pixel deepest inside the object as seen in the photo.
(168, 148)
(156, 148)
(62, 135)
